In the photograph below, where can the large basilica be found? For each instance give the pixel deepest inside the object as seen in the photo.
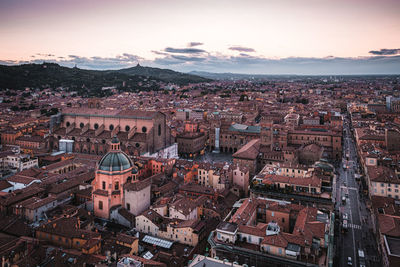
(90, 128)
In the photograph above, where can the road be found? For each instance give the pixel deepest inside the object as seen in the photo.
(359, 234)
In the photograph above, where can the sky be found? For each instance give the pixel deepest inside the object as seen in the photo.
(252, 36)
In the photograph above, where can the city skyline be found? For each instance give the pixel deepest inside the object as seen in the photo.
(257, 37)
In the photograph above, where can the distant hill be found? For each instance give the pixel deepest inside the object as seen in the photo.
(237, 76)
(89, 82)
(164, 75)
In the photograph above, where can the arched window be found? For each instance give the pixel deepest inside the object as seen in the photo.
(127, 128)
(137, 145)
(68, 123)
(116, 185)
(96, 126)
(159, 129)
(111, 127)
(81, 125)
(144, 129)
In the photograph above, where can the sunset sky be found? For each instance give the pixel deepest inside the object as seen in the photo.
(269, 37)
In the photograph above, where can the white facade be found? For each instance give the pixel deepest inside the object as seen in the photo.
(170, 152)
(144, 225)
(20, 185)
(179, 214)
(20, 162)
(34, 214)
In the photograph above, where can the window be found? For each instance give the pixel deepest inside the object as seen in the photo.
(389, 190)
(127, 128)
(116, 187)
(81, 125)
(111, 127)
(159, 129)
(283, 220)
(272, 214)
(68, 123)
(128, 206)
(144, 129)
(100, 205)
(280, 251)
(104, 185)
(382, 184)
(96, 126)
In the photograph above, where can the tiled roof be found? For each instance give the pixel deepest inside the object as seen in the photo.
(138, 186)
(249, 151)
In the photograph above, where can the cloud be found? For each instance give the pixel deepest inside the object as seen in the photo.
(193, 44)
(242, 49)
(184, 50)
(44, 55)
(240, 63)
(8, 62)
(185, 58)
(245, 63)
(159, 52)
(385, 52)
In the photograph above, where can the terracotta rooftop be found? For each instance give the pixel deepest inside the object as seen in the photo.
(248, 151)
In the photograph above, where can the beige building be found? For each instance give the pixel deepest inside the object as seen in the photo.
(137, 196)
(183, 209)
(240, 178)
(182, 231)
(383, 181)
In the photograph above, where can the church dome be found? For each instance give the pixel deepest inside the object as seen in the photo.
(115, 161)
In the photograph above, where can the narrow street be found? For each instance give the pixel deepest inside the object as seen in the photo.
(359, 234)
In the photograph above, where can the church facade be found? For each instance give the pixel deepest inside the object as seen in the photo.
(114, 173)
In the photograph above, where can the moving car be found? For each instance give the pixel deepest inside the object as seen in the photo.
(349, 261)
(344, 226)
